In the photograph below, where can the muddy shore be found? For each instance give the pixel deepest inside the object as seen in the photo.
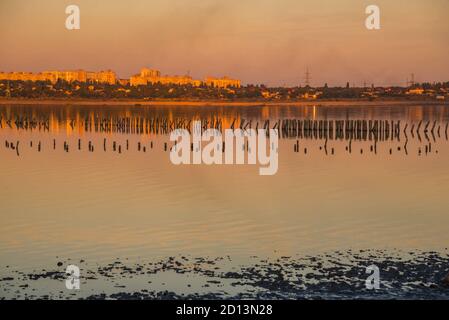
(338, 275)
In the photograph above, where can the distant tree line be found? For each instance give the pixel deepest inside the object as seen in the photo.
(63, 89)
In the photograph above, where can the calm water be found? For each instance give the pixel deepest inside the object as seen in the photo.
(361, 191)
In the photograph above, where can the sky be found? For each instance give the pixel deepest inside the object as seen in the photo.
(268, 42)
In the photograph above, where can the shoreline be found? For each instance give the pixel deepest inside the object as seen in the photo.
(341, 274)
(206, 103)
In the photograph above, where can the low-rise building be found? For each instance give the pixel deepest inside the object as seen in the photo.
(223, 82)
(418, 91)
(151, 76)
(123, 82)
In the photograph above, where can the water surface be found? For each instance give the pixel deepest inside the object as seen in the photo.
(95, 183)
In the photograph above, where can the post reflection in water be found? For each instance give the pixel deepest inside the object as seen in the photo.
(426, 125)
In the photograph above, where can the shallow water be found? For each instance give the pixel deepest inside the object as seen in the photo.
(350, 192)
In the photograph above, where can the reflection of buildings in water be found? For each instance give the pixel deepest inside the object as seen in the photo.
(398, 129)
(373, 129)
(397, 133)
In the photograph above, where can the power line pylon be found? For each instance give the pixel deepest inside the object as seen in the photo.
(307, 77)
(412, 80)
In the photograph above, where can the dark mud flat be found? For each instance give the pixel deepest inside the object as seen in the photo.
(338, 275)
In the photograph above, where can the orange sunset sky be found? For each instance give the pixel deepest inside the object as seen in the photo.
(257, 41)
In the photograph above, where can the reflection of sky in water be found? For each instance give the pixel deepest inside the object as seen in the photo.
(101, 205)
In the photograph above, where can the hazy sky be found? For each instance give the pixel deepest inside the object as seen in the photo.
(257, 41)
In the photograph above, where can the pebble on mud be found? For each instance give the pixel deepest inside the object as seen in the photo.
(446, 280)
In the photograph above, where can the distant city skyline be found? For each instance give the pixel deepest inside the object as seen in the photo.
(261, 42)
(144, 77)
(152, 76)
